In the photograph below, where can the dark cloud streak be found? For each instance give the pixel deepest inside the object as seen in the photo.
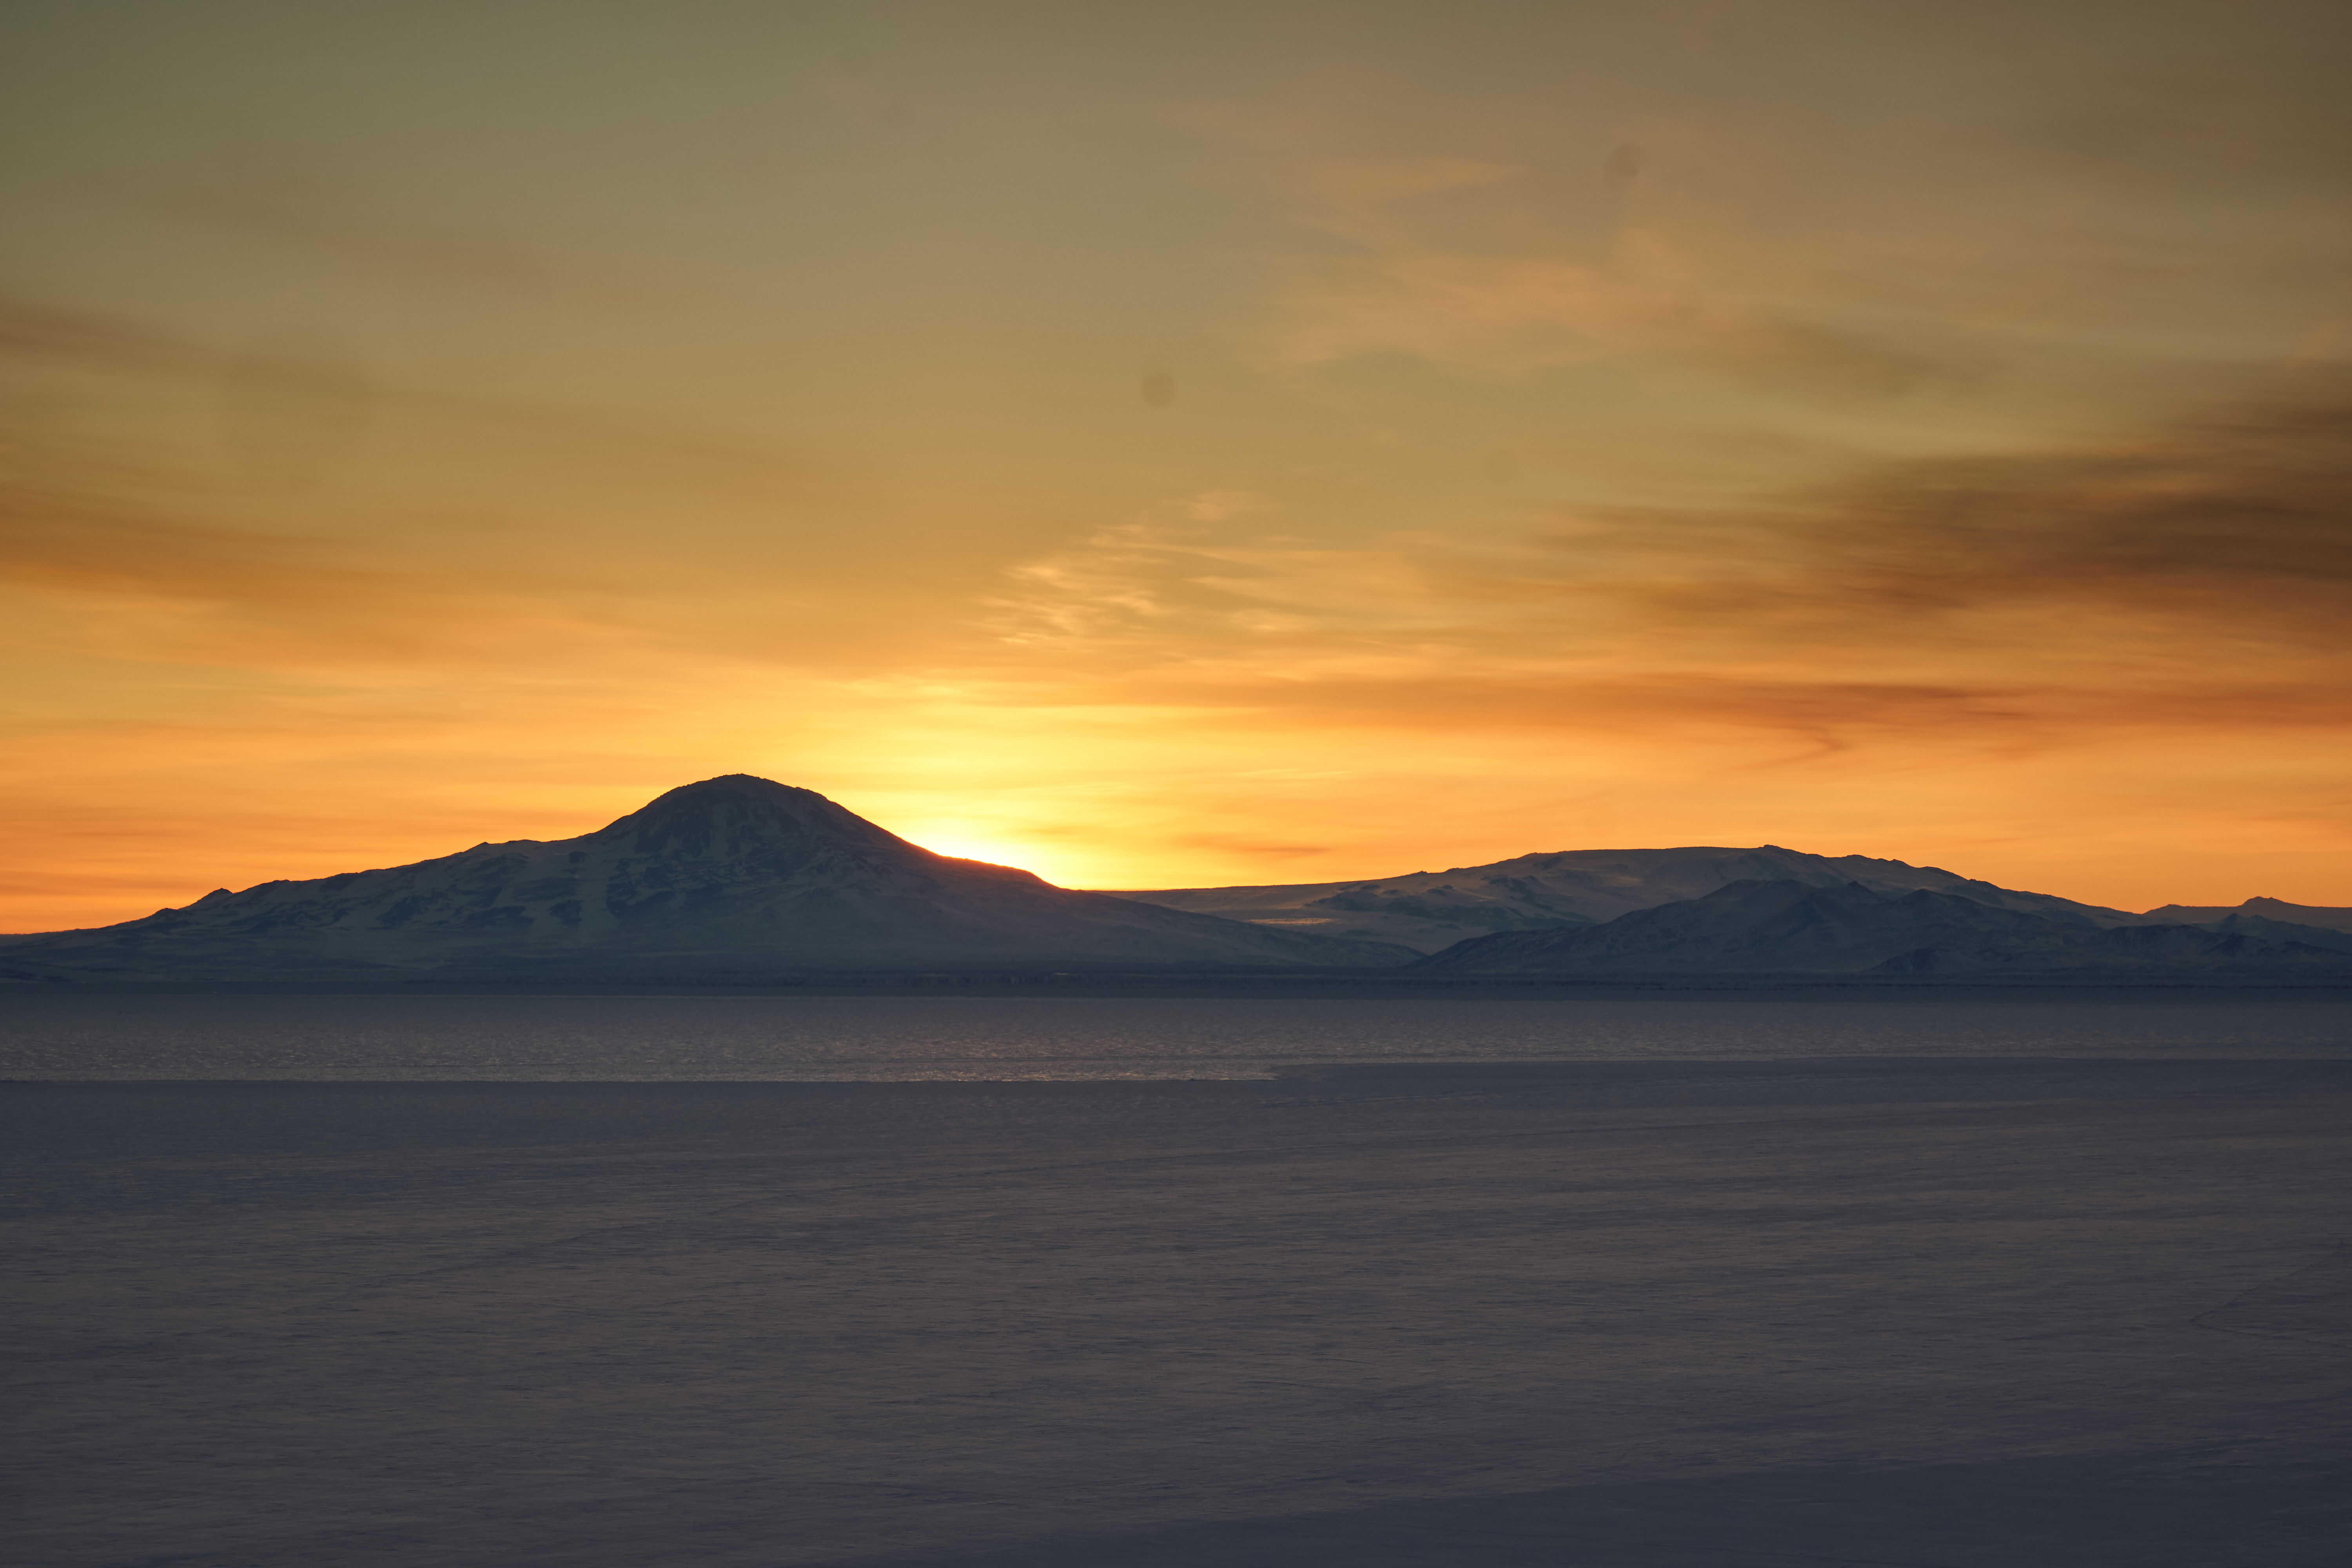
(2237, 522)
(37, 334)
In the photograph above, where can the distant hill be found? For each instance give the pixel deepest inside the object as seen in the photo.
(742, 878)
(1432, 909)
(731, 876)
(1788, 926)
(2321, 915)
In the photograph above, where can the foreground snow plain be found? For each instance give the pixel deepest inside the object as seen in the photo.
(1921, 1312)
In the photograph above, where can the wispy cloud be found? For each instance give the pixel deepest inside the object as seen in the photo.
(1477, 266)
(2195, 577)
(305, 215)
(2228, 529)
(46, 338)
(167, 528)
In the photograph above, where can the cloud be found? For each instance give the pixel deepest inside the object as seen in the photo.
(1474, 266)
(2193, 578)
(161, 497)
(2230, 526)
(39, 338)
(303, 214)
(2039, 192)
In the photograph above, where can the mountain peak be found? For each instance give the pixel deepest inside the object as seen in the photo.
(738, 782)
(2326, 916)
(745, 787)
(737, 816)
(735, 875)
(1430, 910)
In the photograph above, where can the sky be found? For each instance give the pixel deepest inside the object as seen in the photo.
(1180, 446)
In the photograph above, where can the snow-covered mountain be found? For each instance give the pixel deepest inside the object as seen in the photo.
(739, 878)
(1796, 926)
(2326, 917)
(1432, 909)
(731, 876)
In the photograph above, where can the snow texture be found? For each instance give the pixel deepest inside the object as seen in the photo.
(1909, 1313)
(731, 876)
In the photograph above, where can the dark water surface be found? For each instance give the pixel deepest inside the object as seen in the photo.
(51, 1036)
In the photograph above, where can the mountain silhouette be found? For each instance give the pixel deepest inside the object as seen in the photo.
(1788, 926)
(1431, 909)
(2323, 916)
(731, 875)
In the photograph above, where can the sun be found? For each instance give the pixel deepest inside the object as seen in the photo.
(972, 847)
(1065, 862)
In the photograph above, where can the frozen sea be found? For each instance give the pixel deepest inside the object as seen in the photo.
(897, 1039)
(875, 1281)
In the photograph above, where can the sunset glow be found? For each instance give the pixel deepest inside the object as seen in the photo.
(1173, 447)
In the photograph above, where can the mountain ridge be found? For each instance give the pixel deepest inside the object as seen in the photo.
(739, 878)
(1429, 910)
(2327, 917)
(730, 875)
(1794, 927)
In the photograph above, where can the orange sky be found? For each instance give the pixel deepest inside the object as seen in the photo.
(1180, 446)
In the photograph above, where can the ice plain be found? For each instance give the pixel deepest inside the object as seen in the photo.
(1924, 1311)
